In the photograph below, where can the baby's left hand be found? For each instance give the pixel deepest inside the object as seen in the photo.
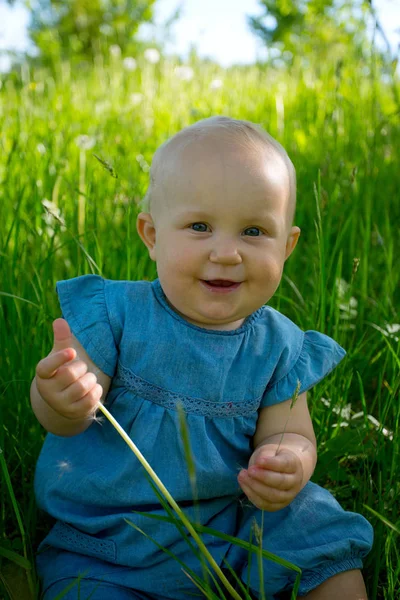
(272, 482)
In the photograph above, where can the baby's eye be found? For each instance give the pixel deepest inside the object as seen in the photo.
(195, 225)
(201, 225)
(253, 229)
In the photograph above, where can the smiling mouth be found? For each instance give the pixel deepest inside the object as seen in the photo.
(220, 285)
(221, 282)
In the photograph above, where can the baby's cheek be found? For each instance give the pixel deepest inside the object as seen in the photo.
(180, 259)
(272, 272)
(277, 269)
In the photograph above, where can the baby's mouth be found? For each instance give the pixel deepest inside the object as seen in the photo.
(221, 283)
(220, 286)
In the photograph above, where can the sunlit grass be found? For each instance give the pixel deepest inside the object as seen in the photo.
(75, 154)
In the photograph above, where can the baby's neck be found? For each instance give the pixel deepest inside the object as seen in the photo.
(223, 327)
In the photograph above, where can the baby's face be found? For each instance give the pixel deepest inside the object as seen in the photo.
(223, 215)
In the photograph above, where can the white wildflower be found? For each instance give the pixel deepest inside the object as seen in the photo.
(39, 183)
(106, 29)
(389, 331)
(392, 329)
(85, 142)
(41, 148)
(115, 51)
(357, 415)
(375, 422)
(342, 288)
(129, 63)
(387, 433)
(82, 20)
(136, 99)
(185, 73)
(352, 302)
(347, 311)
(143, 163)
(101, 107)
(216, 84)
(121, 198)
(152, 55)
(149, 122)
(378, 425)
(52, 170)
(343, 412)
(347, 306)
(52, 211)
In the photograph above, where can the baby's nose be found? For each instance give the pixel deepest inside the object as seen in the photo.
(226, 253)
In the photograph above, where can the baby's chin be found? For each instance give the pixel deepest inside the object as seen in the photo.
(231, 326)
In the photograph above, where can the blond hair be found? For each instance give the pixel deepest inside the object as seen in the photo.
(250, 135)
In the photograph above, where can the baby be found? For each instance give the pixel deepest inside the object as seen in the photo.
(218, 222)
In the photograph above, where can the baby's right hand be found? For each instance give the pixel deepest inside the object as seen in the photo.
(63, 380)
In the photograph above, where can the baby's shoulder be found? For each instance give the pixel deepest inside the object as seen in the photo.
(94, 298)
(297, 355)
(123, 291)
(129, 297)
(96, 288)
(279, 327)
(103, 312)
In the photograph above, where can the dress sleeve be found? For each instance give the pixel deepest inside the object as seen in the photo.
(84, 306)
(318, 356)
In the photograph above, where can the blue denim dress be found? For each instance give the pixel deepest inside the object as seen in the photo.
(91, 483)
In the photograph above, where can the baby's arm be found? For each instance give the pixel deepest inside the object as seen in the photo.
(68, 386)
(273, 480)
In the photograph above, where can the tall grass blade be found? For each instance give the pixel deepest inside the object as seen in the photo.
(383, 519)
(184, 433)
(229, 538)
(170, 499)
(14, 503)
(165, 550)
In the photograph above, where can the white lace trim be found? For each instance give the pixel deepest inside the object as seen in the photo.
(72, 539)
(170, 400)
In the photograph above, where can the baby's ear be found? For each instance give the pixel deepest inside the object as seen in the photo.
(292, 241)
(147, 232)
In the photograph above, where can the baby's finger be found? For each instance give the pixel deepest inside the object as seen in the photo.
(285, 462)
(49, 365)
(70, 372)
(263, 491)
(274, 479)
(259, 501)
(77, 390)
(86, 405)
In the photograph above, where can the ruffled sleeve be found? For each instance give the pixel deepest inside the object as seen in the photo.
(318, 356)
(84, 306)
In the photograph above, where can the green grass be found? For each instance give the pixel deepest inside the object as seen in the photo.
(341, 130)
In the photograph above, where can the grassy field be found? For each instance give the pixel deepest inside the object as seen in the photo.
(64, 212)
